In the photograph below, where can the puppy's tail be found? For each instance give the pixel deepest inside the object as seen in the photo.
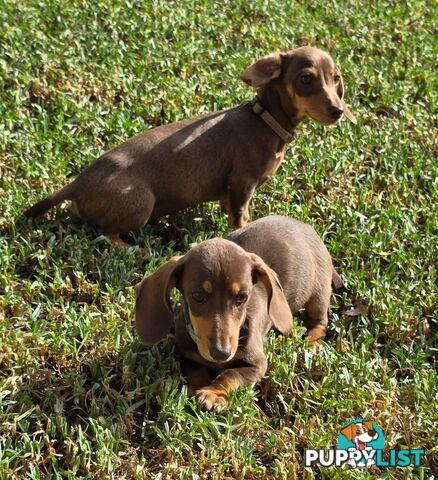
(49, 202)
(338, 286)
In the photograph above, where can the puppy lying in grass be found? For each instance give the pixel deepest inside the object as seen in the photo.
(221, 156)
(234, 291)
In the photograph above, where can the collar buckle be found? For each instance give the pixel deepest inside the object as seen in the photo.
(260, 111)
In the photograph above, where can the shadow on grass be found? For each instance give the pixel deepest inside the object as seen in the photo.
(175, 231)
(105, 402)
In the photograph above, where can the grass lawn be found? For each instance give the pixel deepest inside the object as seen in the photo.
(80, 397)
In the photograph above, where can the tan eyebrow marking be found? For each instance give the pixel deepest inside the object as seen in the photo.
(207, 286)
(235, 288)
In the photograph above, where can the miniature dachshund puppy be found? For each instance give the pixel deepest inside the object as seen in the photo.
(234, 291)
(221, 156)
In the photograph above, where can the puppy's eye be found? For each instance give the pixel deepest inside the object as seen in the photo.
(240, 298)
(337, 78)
(306, 78)
(199, 297)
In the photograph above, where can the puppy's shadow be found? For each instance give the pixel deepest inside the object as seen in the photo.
(123, 392)
(181, 230)
(176, 231)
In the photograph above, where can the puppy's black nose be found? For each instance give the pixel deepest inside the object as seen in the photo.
(336, 112)
(372, 433)
(220, 354)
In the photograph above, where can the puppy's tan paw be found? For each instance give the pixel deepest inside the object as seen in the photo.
(212, 398)
(314, 337)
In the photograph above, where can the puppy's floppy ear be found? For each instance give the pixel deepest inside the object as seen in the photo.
(278, 308)
(347, 111)
(263, 71)
(349, 431)
(153, 312)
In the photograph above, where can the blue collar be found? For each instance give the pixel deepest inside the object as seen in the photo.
(189, 326)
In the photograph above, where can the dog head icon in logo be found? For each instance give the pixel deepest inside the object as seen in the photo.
(361, 438)
(360, 445)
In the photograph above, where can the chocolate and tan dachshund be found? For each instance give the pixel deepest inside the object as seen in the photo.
(221, 156)
(234, 291)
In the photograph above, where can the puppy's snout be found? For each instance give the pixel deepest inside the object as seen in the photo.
(220, 354)
(372, 433)
(336, 112)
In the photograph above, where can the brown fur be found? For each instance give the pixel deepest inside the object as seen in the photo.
(207, 286)
(219, 318)
(220, 156)
(302, 263)
(270, 269)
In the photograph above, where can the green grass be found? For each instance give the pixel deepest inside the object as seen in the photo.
(80, 397)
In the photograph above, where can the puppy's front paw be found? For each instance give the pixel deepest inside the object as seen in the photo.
(212, 398)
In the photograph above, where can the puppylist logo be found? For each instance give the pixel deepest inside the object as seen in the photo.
(360, 445)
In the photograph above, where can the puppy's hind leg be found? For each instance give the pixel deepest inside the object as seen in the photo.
(131, 214)
(316, 320)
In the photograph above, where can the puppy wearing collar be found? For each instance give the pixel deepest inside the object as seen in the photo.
(234, 291)
(221, 156)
